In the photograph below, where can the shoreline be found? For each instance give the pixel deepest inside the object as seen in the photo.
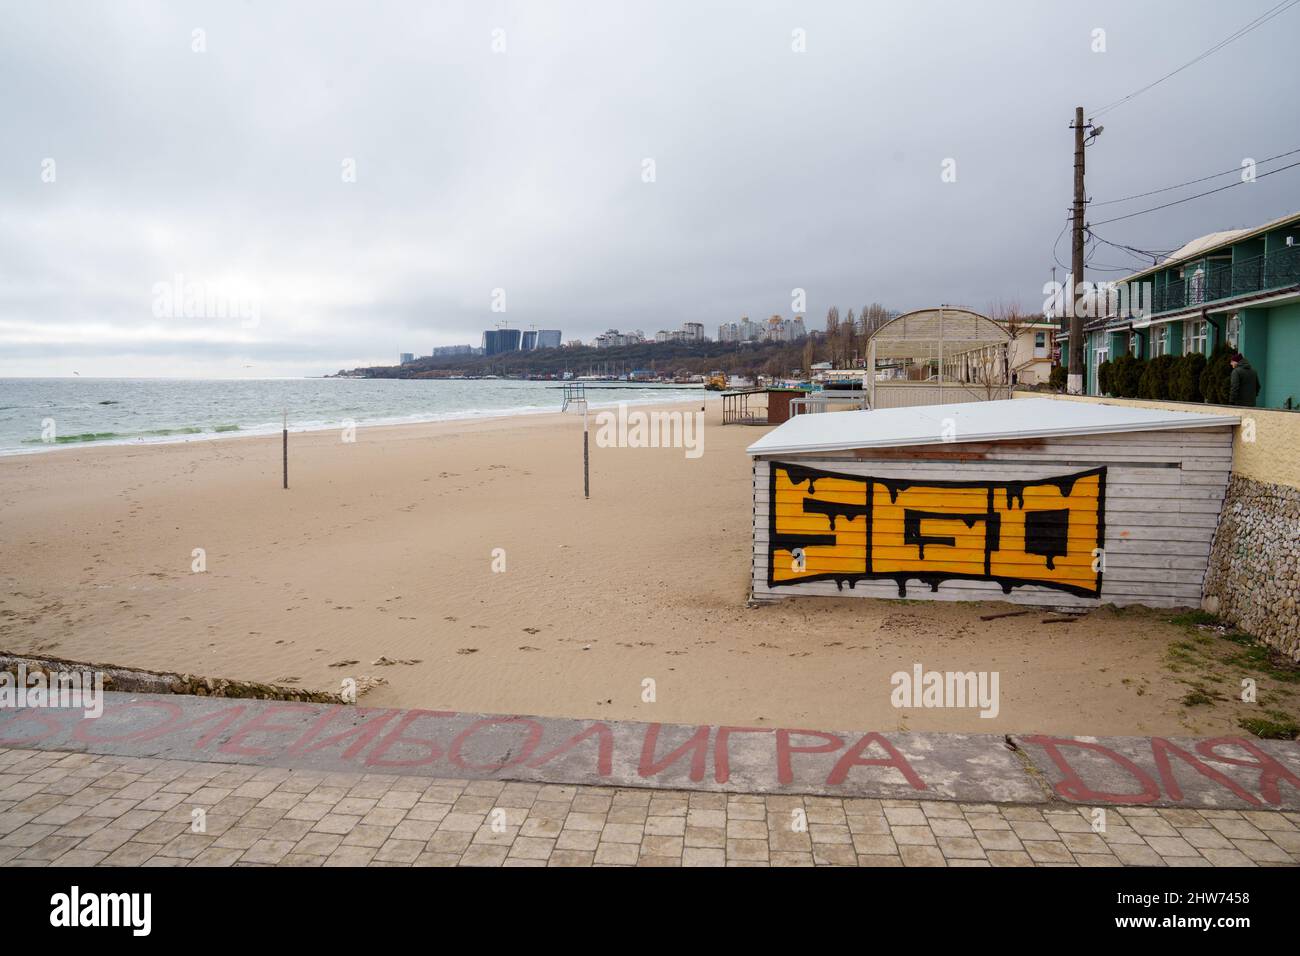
(271, 430)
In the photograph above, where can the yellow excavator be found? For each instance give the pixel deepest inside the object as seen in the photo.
(716, 382)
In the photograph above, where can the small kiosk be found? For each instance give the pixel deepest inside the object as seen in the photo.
(738, 409)
(1034, 501)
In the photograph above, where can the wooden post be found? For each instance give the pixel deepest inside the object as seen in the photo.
(285, 444)
(1076, 373)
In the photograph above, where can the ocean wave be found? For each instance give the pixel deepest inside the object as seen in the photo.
(129, 436)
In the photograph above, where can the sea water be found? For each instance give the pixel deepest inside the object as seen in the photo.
(41, 414)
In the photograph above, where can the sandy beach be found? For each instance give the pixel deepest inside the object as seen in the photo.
(384, 548)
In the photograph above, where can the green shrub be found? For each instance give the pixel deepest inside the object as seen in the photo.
(1105, 380)
(1126, 376)
(1185, 378)
(1217, 377)
(1059, 378)
(1154, 383)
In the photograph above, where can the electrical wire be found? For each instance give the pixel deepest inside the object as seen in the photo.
(1252, 25)
(1208, 192)
(1091, 251)
(1192, 182)
(1140, 254)
(1057, 244)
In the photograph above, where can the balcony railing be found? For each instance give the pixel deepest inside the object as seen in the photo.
(1225, 280)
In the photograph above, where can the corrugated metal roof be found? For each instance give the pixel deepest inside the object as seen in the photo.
(1011, 419)
(1212, 241)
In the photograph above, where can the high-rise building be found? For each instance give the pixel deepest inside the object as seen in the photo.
(774, 329)
(548, 338)
(441, 350)
(529, 340)
(406, 358)
(691, 333)
(613, 338)
(497, 341)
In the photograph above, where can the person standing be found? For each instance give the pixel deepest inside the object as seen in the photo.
(1243, 386)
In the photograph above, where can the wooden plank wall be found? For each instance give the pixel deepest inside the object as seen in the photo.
(1164, 490)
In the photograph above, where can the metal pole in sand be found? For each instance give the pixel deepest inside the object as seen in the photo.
(586, 472)
(285, 443)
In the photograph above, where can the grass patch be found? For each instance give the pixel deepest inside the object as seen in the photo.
(1197, 697)
(1265, 660)
(1195, 619)
(1270, 729)
(1182, 652)
(1237, 637)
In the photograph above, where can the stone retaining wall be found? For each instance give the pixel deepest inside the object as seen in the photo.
(1253, 580)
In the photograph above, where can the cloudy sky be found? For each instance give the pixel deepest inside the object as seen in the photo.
(342, 182)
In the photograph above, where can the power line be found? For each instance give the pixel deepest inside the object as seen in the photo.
(1193, 182)
(1057, 244)
(1133, 251)
(1101, 267)
(1252, 25)
(1209, 192)
(1098, 267)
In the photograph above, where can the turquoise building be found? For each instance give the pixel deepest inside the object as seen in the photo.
(1241, 287)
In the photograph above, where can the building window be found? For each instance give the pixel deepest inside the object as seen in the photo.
(1160, 341)
(1232, 330)
(1194, 336)
(1134, 345)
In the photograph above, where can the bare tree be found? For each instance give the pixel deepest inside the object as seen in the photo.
(873, 317)
(1013, 320)
(833, 334)
(1009, 315)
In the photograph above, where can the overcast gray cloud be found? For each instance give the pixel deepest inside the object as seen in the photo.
(522, 170)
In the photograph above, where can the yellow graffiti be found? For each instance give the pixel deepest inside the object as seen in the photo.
(848, 528)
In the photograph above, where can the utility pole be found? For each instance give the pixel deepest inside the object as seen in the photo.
(1074, 383)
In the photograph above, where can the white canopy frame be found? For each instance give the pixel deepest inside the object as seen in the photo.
(957, 348)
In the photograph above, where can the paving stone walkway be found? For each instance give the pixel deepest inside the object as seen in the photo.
(78, 809)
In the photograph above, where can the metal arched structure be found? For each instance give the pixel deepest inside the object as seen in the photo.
(932, 356)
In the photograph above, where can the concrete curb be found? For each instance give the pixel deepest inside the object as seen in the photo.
(1222, 772)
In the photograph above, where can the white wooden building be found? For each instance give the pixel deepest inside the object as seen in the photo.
(1034, 501)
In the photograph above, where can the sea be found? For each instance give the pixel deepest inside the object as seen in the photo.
(43, 414)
